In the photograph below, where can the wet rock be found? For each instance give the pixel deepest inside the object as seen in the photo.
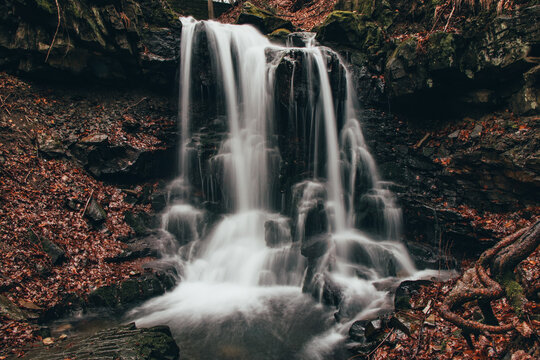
(315, 246)
(332, 292)
(166, 272)
(428, 257)
(277, 233)
(481, 69)
(140, 222)
(279, 36)
(316, 221)
(123, 343)
(129, 291)
(158, 200)
(379, 11)
(477, 131)
(69, 304)
(95, 212)
(264, 20)
(95, 139)
(103, 297)
(404, 292)
(300, 39)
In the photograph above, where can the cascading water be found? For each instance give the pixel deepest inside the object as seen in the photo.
(256, 281)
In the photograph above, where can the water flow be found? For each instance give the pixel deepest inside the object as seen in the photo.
(255, 272)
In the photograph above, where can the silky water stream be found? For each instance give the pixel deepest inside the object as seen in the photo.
(286, 233)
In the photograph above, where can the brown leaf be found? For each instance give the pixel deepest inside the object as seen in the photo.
(525, 330)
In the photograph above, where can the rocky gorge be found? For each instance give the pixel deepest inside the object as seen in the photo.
(450, 114)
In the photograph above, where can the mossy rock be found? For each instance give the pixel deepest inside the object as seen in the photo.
(104, 297)
(352, 30)
(129, 292)
(264, 20)
(441, 51)
(279, 35)
(378, 11)
(156, 344)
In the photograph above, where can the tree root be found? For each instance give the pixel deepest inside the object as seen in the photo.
(477, 285)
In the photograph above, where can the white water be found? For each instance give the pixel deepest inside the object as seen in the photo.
(240, 297)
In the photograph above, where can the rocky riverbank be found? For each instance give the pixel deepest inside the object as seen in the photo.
(450, 114)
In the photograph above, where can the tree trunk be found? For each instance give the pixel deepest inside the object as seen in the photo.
(211, 9)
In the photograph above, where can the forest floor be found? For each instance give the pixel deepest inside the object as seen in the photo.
(43, 198)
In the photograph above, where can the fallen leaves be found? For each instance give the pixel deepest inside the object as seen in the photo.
(43, 199)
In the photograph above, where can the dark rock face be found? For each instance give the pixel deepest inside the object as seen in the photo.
(492, 172)
(124, 342)
(428, 257)
(102, 40)
(486, 66)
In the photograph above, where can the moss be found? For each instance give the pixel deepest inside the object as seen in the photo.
(266, 21)
(47, 6)
(377, 11)
(352, 30)
(514, 292)
(156, 344)
(129, 291)
(441, 51)
(279, 35)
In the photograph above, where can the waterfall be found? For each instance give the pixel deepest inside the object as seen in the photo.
(286, 215)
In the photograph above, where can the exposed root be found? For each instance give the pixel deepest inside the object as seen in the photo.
(477, 285)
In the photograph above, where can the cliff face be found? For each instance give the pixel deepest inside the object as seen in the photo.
(462, 145)
(99, 40)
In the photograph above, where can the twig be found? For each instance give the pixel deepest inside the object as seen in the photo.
(418, 144)
(87, 202)
(380, 344)
(56, 32)
(27, 175)
(132, 106)
(449, 17)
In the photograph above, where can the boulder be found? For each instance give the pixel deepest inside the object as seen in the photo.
(277, 233)
(352, 30)
(262, 19)
(404, 292)
(380, 11)
(53, 251)
(315, 246)
(95, 212)
(141, 222)
(123, 162)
